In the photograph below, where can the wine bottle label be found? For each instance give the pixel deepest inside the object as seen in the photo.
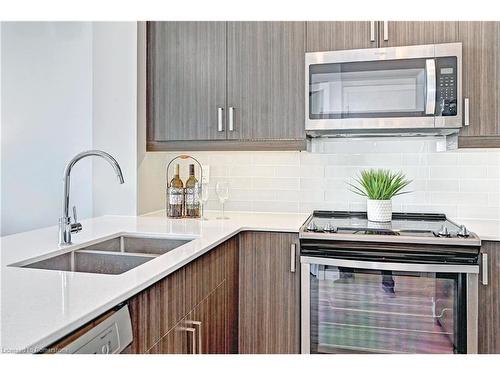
(175, 195)
(192, 197)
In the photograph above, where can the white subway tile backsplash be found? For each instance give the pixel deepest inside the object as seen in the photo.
(461, 183)
(472, 185)
(312, 195)
(312, 183)
(493, 171)
(440, 185)
(479, 212)
(287, 195)
(439, 159)
(276, 183)
(276, 206)
(275, 158)
(312, 171)
(438, 172)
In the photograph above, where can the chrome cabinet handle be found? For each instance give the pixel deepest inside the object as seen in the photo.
(466, 112)
(293, 249)
(197, 323)
(220, 120)
(484, 268)
(372, 31)
(192, 333)
(231, 119)
(386, 30)
(430, 76)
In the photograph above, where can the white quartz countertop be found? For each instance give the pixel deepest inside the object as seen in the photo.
(38, 307)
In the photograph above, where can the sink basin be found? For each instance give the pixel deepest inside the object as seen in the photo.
(83, 261)
(140, 245)
(113, 256)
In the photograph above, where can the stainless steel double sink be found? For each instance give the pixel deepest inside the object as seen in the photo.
(113, 256)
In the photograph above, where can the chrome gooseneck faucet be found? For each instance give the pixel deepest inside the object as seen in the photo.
(65, 225)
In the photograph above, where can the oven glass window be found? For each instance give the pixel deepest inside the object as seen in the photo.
(367, 311)
(389, 88)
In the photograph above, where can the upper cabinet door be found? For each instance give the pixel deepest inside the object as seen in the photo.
(186, 80)
(265, 80)
(340, 35)
(407, 33)
(481, 76)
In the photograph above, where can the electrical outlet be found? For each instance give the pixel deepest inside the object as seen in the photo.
(206, 174)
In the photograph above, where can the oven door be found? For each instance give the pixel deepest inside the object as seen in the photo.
(379, 307)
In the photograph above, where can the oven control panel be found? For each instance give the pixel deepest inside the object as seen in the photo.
(446, 90)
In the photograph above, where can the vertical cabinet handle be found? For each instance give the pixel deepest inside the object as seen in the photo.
(293, 249)
(386, 30)
(372, 31)
(191, 332)
(484, 268)
(220, 119)
(231, 119)
(197, 324)
(466, 111)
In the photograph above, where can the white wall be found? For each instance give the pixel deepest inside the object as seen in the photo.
(46, 119)
(115, 115)
(462, 183)
(66, 87)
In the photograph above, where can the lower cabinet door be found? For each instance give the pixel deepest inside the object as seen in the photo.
(269, 293)
(489, 302)
(208, 319)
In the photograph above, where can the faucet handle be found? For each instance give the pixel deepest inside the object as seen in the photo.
(76, 226)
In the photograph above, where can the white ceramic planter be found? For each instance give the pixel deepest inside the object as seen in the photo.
(379, 210)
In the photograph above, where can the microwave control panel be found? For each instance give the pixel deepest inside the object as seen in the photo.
(446, 90)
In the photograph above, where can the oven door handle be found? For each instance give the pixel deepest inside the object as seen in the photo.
(430, 78)
(389, 266)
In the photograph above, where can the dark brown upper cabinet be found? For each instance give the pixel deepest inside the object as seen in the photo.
(265, 80)
(408, 33)
(481, 82)
(186, 80)
(340, 35)
(225, 85)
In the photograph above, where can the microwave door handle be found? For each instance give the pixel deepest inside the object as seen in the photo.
(430, 76)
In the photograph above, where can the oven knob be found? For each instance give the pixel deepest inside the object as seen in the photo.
(312, 227)
(443, 231)
(463, 232)
(330, 228)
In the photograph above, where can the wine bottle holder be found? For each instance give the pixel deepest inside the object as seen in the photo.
(174, 195)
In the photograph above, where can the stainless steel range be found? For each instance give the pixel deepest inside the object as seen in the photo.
(407, 286)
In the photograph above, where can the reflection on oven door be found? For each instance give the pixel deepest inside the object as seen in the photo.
(365, 311)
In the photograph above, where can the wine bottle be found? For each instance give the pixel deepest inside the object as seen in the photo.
(176, 195)
(192, 194)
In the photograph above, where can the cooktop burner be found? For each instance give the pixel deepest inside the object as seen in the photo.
(355, 223)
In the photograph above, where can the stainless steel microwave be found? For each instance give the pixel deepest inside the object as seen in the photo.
(411, 90)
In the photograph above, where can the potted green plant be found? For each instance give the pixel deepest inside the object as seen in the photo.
(379, 186)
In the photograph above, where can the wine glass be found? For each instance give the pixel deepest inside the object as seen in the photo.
(204, 198)
(222, 190)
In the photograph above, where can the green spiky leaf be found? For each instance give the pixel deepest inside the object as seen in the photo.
(379, 184)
